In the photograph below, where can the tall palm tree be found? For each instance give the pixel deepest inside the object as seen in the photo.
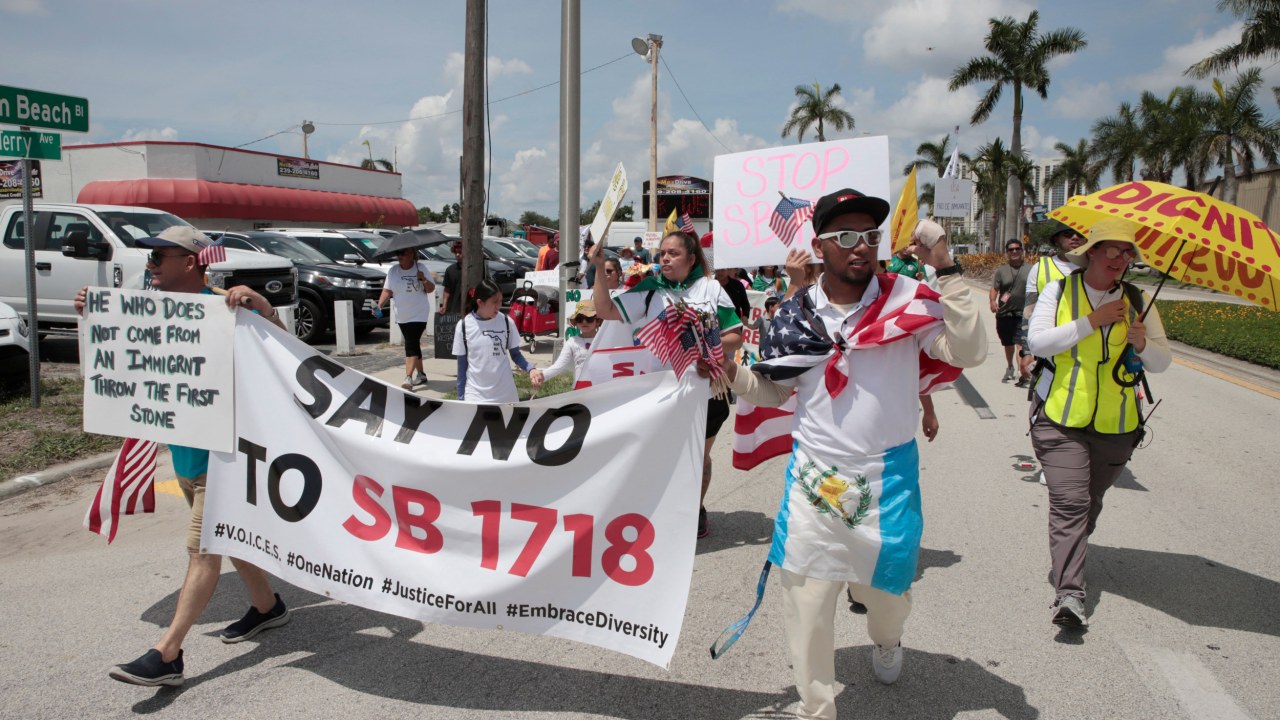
(1259, 38)
(1237, 132)
(1078, 169)
(934, 155)
(1019, 57)
(817, 108)
(1117, 141)
(1191, 111)
(926, 197)
(371, 164)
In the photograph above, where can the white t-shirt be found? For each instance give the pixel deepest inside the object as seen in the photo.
(412, 301)
(704, 294)
(487, 347)
(574, 353)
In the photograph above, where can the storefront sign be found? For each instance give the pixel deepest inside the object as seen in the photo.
(293, 167)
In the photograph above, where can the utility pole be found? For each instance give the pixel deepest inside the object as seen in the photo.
(655, 46)
(473, 102)
(570, 138)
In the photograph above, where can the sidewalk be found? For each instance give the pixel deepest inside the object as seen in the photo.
(442, 374)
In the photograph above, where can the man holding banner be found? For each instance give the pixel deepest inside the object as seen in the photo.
(177, 263)
(857, 348)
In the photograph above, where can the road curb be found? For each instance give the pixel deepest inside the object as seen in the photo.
(22, 483)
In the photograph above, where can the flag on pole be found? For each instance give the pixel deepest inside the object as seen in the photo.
(671, 226)
(953, 167)
(905, 215)
(686, 224)
(131, 479)
(212, 253)
(788, 217)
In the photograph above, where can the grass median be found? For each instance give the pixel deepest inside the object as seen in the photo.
(33, 439)
(1244, 332)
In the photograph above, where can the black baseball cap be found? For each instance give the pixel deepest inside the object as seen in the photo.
(848, 200)
(1061, 228)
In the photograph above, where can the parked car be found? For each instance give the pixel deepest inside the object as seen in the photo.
(380, 232)
(340, 247)
(495, 250)
(500, 271)
(321, 283)
(77, 245)
(14, 344)
(520, 245)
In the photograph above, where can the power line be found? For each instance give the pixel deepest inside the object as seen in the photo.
(268, 137)
(686, 100)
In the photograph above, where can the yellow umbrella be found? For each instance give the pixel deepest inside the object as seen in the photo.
(1189, 236)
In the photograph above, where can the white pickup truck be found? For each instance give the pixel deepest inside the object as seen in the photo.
(78, 245)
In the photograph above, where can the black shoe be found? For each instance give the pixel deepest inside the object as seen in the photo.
(149, 670)
(255, 622)
(855, 607)
(703, 530)
(1022, 382)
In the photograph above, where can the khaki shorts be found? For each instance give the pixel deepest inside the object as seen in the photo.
(193, 491)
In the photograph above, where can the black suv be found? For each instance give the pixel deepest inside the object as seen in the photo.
(320, 282)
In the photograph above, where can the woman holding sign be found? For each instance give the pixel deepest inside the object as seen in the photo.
(683, 279)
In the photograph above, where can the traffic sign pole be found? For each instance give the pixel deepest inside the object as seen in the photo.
(33, 320)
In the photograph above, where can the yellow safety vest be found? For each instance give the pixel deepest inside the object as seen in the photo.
(1083, 392)
(1047, 271)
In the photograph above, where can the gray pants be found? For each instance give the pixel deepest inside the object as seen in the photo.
(1079, 467)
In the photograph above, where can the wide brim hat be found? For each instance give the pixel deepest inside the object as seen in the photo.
(1113, 229)
(848, 200)
(585, 308)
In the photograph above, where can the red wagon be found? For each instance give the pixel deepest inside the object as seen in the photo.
(535, 309)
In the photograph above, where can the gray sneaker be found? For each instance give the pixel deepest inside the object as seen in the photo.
(1069, 612)
(1008, 374)
(886, 662)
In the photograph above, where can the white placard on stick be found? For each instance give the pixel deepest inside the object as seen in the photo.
(609, 204)
(747, 186)
(953, 197)
(157, 366)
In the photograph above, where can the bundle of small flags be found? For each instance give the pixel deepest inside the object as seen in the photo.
(681, 336)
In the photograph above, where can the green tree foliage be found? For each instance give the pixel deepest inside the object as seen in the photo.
(816, 109)
(1259, 38)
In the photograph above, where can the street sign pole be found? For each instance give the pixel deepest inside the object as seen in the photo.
(33, 320)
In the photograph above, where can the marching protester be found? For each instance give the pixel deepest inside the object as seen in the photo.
(683, 278)
(1008, 292)
(639, 252)
(482, 343)
(1049, 268)
(769, 281)
(613, 274)
(451, 294)
(176, 264)
(856, 385)
(549, 254)
(409, 286)
(576, 348)
(1086, 418)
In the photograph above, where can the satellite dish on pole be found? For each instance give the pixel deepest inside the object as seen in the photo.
(640, 46)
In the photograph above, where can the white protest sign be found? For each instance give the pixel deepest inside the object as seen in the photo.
(652, 241)
(747, 186)
(541, 278)
(609, 204)
(157, 366)
(952, 197)
(549, 517)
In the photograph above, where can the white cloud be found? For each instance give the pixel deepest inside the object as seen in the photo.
(1177, 58)
(167, 134)
(1081, 100)
(935, 36)
(30, 8)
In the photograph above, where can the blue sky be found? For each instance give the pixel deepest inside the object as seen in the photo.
(229, 72)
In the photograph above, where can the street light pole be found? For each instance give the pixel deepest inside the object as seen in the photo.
(650, 49)
(307, 129)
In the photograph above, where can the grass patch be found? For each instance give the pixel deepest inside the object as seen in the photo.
(32, 439)
(554, 386)
(1244, 332)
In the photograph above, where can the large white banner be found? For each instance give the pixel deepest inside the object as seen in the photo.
(550, 517)
(157, 366)
(748, 186)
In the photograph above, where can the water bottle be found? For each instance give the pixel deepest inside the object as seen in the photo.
(1132, 363)
(377, 312)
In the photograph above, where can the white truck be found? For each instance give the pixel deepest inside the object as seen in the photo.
(78, 245)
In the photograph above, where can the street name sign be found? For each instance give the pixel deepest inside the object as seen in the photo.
(30, 145)
(41, 109)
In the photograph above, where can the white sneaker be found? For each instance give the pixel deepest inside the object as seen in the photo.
(419, 379)
(1042, 480)
(1069, 611)
(1008, 374)
(887, 663)
(408, 383)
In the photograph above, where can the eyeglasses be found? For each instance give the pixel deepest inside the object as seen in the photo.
(849, 239)
(1112, 252)
(610, 271)
(580, 319)
(155, 257)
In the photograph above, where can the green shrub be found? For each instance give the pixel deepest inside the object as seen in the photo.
(1244, 332)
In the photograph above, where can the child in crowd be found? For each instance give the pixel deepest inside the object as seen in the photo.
(482, 341)
(576, 348)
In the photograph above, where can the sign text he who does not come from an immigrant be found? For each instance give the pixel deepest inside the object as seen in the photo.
(157, 366)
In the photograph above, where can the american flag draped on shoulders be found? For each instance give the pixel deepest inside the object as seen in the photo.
(903, 309)
(129, 484)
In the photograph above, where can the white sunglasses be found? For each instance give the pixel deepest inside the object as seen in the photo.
(849, 239)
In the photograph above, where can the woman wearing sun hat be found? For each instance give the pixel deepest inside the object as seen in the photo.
(1085, 422)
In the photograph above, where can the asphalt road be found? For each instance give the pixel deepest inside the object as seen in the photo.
(1183, 575)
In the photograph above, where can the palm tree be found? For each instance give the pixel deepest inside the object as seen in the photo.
(1237, 131)
(371, 164)
(934, 155)
(1260, 37)
(926, 197)
(1078, 169)
(1117, 140)
(1019, 57)
(817, 108)
(991, 182)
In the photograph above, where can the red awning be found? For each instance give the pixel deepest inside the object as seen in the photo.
(208, 199)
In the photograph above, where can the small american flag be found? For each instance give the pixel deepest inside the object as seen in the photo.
(131, 479)
(678, 338)
(686, 224)
(212, 253)
(788, 217)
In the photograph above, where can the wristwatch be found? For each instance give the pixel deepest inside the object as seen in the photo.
(952, 270)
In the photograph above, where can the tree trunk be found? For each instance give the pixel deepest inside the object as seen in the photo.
(1013, 196)
(473, 100)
